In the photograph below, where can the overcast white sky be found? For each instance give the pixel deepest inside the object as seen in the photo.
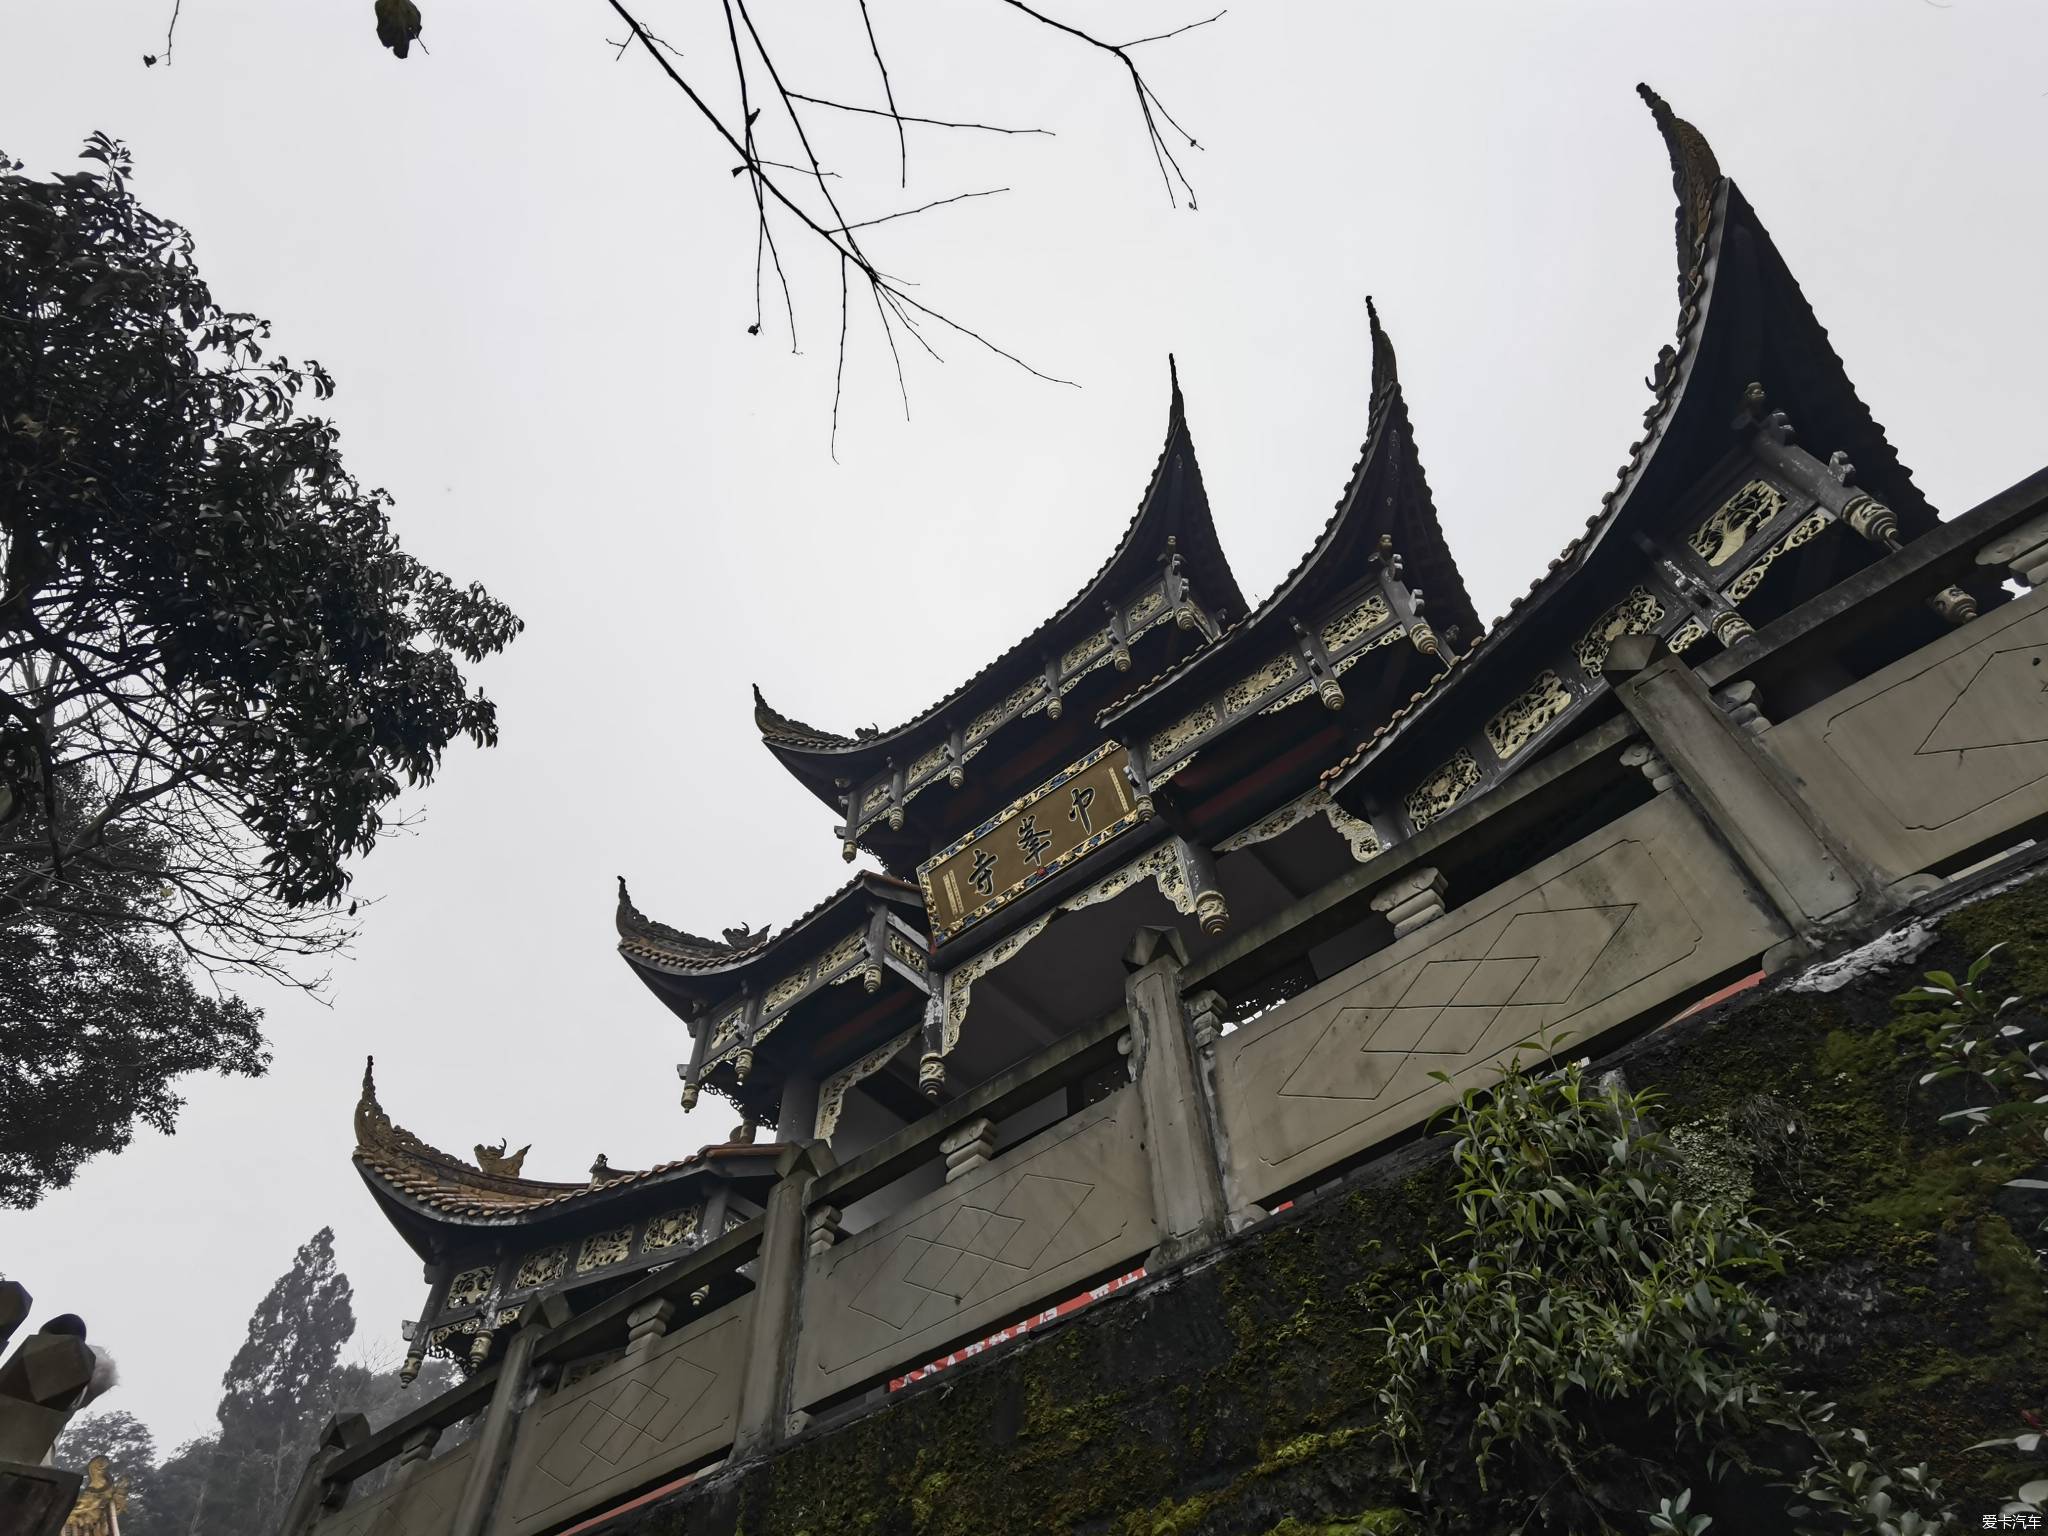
(528, 267)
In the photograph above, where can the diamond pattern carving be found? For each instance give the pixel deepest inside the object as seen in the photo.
(1591, 937)
(631, 1420)
(1059, 1209)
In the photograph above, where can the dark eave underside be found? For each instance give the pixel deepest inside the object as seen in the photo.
(1174, 506)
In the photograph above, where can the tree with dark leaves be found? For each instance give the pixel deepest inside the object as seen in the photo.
(218, 668)
(99, 1017)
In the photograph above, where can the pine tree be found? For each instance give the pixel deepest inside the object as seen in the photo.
(278, 1391)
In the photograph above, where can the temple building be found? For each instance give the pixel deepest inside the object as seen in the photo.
(1187, 904)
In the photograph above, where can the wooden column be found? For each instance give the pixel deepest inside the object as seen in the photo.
(1180, 1143)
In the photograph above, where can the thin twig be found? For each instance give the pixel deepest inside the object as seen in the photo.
(1160, 37)
(888, 95)
(935, 122)
(1162, 153)
(907, 212)
(844, 244)
(839, 373)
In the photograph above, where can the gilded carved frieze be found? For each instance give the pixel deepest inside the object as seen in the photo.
(1246, 692)
(469, 1287)
(961, 979)
(873, 801)
(1144, 610)
(910, 954)
(602, 1249)
(1167, 744)
(1442, 790)
(1804, 531)
(1358, 835)
(542, 1268)
(1636, 614)
(845, 952)
(1307, 689)
(1544, 700)
(832, 1092)
(787, 990)
(1686, 636)
(727, 1033)
(1018, 701)
(1355, 621)
(1736, 521)
(672, 1229)
(930, 763)
(1085, 650)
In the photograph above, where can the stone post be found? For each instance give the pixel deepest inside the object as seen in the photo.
(1807, 871)
(771, 1346)
(501, 1417)
(1180, 1143)
(344, 1431)
(646, 1326)
(968, 1147)
(1409, 901)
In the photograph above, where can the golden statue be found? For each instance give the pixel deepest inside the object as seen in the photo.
(100, 1502)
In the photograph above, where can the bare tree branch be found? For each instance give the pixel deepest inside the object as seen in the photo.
(904, 117)
(888, 95)
(958, 197)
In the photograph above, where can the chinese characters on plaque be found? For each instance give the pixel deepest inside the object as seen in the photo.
(1033, 838)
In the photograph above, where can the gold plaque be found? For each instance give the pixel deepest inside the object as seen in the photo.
(1029, 841)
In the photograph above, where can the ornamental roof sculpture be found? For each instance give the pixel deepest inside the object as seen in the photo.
(1750, 372)
(1172, 533)
(429, 1195)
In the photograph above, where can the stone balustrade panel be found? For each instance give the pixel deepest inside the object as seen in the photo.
(628, 1423)
(1048, 1214)
(1601, 933)
(421, 1503)
(1939, 753)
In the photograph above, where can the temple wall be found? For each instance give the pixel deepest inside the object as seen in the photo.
(1760, 848)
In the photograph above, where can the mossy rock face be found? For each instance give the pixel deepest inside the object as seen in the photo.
(1237, 1397)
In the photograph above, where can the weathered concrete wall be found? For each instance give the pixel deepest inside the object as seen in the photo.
(1236, 1397)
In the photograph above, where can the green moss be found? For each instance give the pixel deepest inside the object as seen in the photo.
(1240, 1399)
(1374, 1522)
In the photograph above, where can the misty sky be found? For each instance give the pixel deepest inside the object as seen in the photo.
(530, 270)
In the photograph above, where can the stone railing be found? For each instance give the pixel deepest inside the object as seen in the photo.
(1667, 852)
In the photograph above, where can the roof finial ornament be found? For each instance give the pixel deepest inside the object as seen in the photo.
(495, 1160)
(1384, 372)
(744, 937)
(372, 1124)
(1695, 177)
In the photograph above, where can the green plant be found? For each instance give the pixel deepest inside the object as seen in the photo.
(1584, 1291)
(1669, 1518)
(1975, 1038)
(2032, 1499)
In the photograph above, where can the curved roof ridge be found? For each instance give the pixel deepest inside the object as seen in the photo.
(780, 731)
(778, 727)
(641, 936)
(1695, 177)
(638, 927)
(402, 1158)
(1386, 400)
